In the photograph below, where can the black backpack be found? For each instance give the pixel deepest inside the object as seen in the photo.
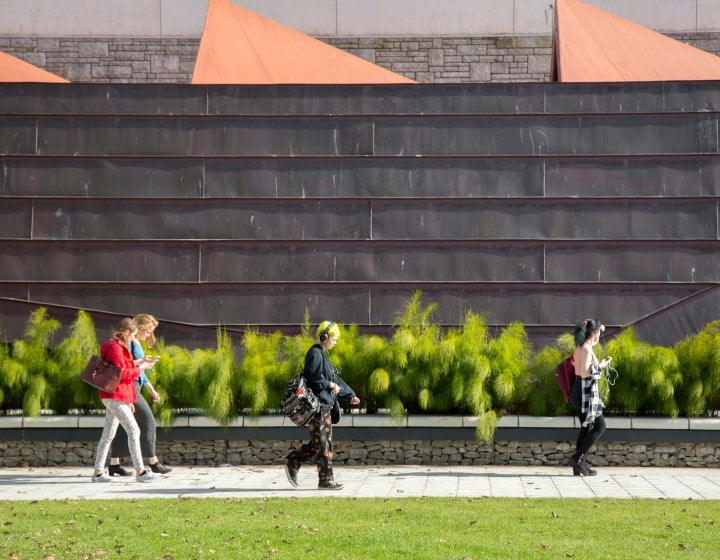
(299, 403)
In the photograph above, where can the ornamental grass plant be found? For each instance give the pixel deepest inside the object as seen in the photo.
(419, 368)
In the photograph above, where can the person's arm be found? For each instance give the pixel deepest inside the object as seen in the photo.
(115, 354)
(314, 367)
(153, 393)
(346, 393)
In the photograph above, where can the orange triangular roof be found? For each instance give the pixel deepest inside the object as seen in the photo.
(241, 47)
(591, 45)
(15, 70)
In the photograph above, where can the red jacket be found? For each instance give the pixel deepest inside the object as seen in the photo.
(117, 353)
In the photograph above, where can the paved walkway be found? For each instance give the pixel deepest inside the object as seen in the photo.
(59, 483)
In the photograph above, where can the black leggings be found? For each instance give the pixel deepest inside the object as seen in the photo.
(589, 434)
(146, 421)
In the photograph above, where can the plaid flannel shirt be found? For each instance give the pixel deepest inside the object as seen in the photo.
(592, 405)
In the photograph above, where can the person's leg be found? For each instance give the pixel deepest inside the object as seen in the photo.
(593, 434)
(304, 453)
(324, 441)
(108, 433)
(586, 439)
(148, 434)
(127, 419)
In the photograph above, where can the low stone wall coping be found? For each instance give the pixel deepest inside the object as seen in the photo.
(705, 423)
(377, 421)
(546, 422)
(660, 423)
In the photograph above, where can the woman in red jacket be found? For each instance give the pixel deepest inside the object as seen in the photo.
(119, 406)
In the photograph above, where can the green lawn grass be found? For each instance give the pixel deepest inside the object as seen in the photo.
(362, 529)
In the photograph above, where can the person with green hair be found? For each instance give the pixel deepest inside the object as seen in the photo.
(588, 370)
(322, 377)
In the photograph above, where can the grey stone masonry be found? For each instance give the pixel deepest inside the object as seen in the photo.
(115, 60)
(423, 59)
(378, 452)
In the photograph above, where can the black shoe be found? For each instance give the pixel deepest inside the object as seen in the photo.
(291, 473)
(117, 470)
(590, 472)
(159, 468)
(329, 485)
(578, 466)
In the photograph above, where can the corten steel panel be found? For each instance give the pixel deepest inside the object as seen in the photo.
(373, 177)
(325, 261)
(626, 97)
(650, 261)
(533, 304)
(14, 316)
(101, 177)
(103, 99)
(545, 219)
(15, 219)
(633, 176)
(692, 96)
(547, 135)
(87, 261)
(377, 99)
(210, 304)
(200, 219)
(17, 135)
(198, 136)
(677, 322)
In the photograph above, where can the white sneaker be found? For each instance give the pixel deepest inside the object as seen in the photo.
(102, 477)
(146, 476)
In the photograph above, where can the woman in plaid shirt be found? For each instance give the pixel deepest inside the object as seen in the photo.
(589, 370)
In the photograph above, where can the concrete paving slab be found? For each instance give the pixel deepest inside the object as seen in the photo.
(69, 483)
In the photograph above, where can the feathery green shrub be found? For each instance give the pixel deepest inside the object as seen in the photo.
(647, 377)
(542, 396)
(699, 364)
(419, 369)
(71, 356)
(29, 367)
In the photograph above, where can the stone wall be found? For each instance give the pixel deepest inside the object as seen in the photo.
(379, 452)
(424, 59)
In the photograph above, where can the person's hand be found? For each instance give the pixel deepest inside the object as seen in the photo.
(155, 395)
(143, 365)
(606, 362)
(132, 407)
(355, 401)
(335, 388)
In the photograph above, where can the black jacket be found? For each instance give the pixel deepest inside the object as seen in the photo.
(320, 373)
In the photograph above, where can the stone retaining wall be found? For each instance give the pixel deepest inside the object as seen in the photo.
(381, 452)
(524, 58)
(56, 440)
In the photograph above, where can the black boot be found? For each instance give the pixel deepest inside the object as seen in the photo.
(577, 462)
(591, 472)
(117, 470)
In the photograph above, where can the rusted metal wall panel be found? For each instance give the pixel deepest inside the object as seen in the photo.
(694, 133)
(200, 136)
(101, 177)
(247, 206)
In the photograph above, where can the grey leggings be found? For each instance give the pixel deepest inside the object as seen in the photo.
(116, 413)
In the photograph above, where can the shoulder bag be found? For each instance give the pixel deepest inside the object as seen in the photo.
(101, 374)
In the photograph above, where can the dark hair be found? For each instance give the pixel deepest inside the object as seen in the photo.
(584, 329)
